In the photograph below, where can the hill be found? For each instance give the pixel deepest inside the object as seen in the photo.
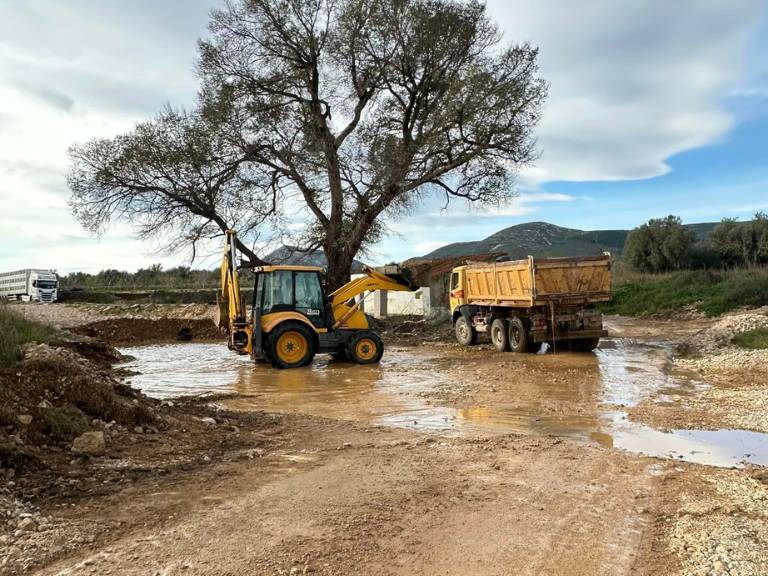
(296, 257)
(544, 239)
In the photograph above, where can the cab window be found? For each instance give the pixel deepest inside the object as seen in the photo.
(278, 291)
(309, 293)
(454, 280)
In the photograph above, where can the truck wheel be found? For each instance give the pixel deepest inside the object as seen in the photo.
(518, 336)
(465, 334)
(500, 334)
(365, 347)
(584, 344)
(291, 345)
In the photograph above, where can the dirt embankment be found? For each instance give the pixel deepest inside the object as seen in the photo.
(70, 431)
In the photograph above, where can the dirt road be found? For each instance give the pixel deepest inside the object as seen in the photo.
(461, 461)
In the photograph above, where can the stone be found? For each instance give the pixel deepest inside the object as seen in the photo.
(90, 443)
(26, 525)
(44, 404)
(208, 420)
(25, 419)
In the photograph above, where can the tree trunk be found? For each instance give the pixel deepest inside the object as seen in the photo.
(339, 267)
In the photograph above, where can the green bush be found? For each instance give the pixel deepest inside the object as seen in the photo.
(16, 331)
(752, 340)
(711, 292)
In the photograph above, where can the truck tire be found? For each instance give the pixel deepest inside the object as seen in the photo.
(518, 336)
(584, 344)
(465, 332)
(291, 345)
(365, 347)
(500, 334)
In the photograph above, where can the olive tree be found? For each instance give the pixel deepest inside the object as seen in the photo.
(659, 245)
(332, 116)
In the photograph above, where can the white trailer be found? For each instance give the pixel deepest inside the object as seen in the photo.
(29, 285)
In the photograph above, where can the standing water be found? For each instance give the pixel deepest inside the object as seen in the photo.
(392, 393)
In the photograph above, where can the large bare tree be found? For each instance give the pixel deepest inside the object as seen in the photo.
(335, 113)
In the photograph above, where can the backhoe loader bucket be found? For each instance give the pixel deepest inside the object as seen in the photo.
(221, 314)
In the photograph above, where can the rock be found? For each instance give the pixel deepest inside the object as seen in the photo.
(90, 443)
(26, 524)
(138, 430)
(24, 419)
(44, 404)
(208, 420)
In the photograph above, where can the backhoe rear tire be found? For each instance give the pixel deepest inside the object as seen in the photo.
(500, 334)
(465, 332)
(519, 338)
(365, 347)
(291, 345)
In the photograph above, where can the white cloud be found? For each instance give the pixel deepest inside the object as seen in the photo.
(632, 83)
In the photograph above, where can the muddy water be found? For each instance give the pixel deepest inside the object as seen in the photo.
(577, 395)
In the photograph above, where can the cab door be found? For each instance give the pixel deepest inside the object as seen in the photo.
(308, 297)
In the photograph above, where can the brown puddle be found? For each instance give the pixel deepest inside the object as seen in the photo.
(620, 373)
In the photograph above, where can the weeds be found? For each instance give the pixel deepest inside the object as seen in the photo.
(711, 292)
(752, 340)
(16, 331)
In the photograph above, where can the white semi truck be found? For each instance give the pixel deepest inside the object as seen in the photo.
(29, 285)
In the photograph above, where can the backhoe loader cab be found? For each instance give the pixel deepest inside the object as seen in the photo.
(292, 318)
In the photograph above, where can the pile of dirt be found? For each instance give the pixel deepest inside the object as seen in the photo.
(56, 395)
(718, 336)
(134, 331)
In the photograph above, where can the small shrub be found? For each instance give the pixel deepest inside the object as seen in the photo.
(752, 340)
(16, 331)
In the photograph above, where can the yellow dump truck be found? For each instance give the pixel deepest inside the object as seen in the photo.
(524, 303)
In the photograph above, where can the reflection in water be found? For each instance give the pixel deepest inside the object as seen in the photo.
(392, 393)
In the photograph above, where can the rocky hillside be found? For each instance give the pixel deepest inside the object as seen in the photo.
(296, 257)
(544, 239)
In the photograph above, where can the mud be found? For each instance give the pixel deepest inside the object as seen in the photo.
(442, 460)
(134, 331)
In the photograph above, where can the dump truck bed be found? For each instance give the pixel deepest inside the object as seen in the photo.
(539, 281)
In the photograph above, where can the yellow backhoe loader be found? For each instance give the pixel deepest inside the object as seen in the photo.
(292, 318)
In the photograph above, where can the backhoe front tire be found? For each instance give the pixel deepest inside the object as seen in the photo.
(291, 345)
(500, 334)
(465, 332)
(365, 347)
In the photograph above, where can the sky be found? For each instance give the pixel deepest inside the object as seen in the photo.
(655, 108)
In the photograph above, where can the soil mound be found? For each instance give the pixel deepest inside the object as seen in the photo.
(56, 394)
(717, 337)
(134, 331)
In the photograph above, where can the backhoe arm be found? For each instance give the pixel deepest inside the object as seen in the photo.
(229, 300)
(372, 280)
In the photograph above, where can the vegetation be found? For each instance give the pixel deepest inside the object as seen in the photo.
(319, 119)
(660, 245)
(752, 340)
(153, 277)
(16, 331)
(711, 292)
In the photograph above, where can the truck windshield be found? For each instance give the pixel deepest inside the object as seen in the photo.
(46, 284)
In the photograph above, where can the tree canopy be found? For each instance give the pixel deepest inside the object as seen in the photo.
(318, 120)
(659, 245)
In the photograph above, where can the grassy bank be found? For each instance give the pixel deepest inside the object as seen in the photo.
(711, 292)
(752, 340)
(16, 331)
